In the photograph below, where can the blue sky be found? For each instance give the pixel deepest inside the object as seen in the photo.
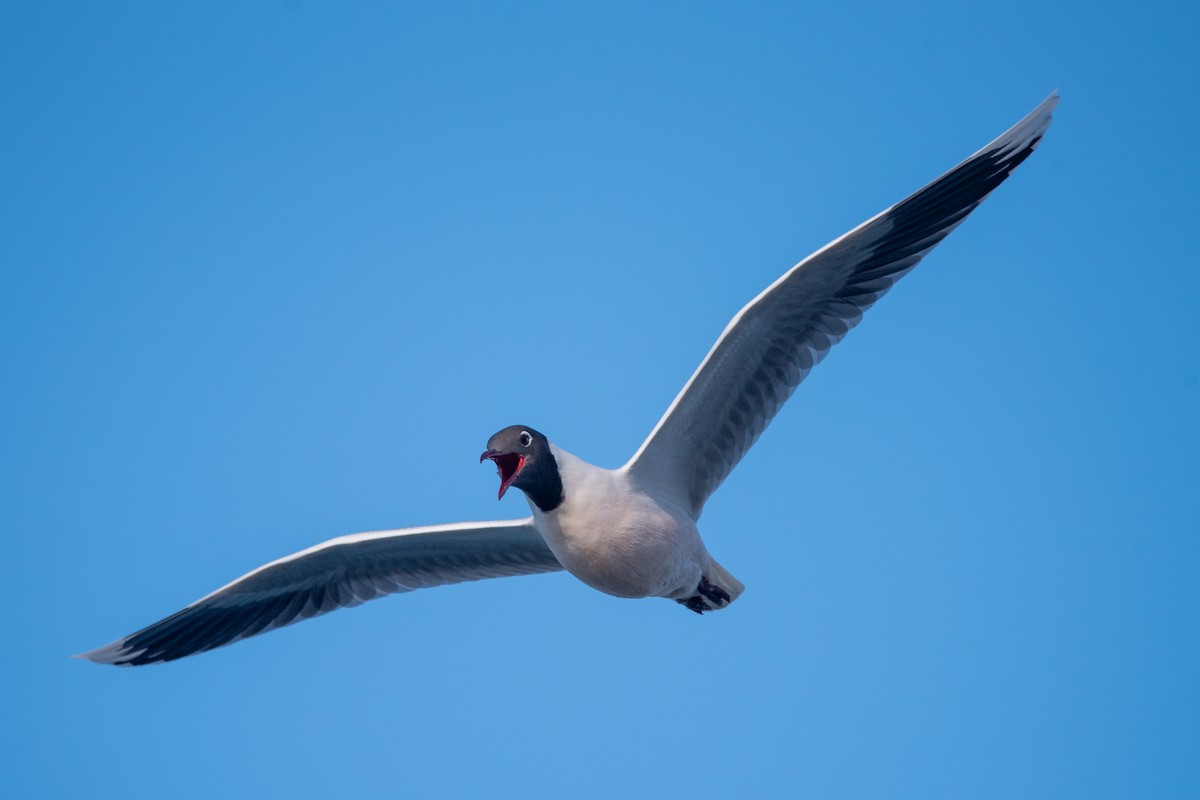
(275, 272)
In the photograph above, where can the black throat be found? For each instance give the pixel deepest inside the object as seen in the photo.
(541, 482)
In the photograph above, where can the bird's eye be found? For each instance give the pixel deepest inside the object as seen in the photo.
(526, 439)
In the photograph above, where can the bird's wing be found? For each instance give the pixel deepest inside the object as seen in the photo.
(336, 574)
(773, 343)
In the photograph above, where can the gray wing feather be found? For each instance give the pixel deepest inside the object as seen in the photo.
(339, 573)
(772, 344)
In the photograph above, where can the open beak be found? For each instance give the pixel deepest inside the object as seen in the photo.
(508, 466)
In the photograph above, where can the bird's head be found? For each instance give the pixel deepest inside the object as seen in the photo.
(523, 459)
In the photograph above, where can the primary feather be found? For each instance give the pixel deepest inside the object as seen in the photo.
(336, 574)
(772, 344)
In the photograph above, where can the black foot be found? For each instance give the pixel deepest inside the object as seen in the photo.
(695, 603)
(715, 594)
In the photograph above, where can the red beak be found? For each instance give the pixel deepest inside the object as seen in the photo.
(508, 466)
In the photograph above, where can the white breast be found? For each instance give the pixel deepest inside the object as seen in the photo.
(617, 539)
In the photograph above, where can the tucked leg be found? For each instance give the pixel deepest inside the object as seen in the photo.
(714, 593)
(694, 603)
(716, 596)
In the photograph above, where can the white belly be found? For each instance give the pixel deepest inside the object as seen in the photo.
(618, 540)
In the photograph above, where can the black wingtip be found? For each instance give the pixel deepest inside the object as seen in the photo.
(115, 654)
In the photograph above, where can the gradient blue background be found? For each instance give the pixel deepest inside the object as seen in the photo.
(274, 272)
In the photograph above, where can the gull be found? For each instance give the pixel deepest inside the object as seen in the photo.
(632, 531)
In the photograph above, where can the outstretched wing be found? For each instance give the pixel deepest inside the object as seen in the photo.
(773, 343)
(336, 574)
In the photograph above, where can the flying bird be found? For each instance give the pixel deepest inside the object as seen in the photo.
(631, 531)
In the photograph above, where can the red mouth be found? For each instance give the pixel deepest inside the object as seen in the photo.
(508, 466)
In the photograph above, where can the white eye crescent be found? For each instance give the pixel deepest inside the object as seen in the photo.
(526, 439)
